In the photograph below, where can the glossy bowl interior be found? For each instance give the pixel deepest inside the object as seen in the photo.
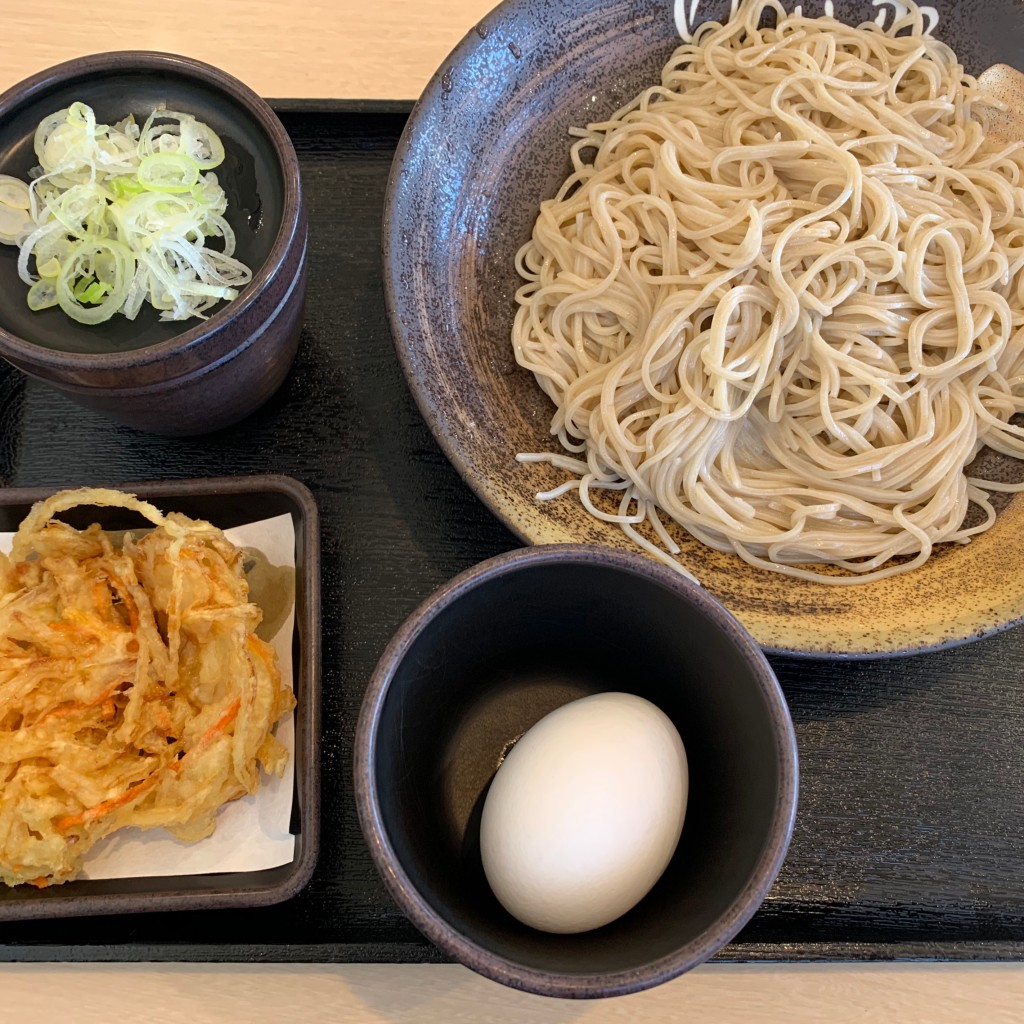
(486, 144)
(487, 657)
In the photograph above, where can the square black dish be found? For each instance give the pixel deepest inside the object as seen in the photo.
(226, 502)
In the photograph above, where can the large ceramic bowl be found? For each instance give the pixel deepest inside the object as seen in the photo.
(486, 143)
(183, 377)
(488, 656)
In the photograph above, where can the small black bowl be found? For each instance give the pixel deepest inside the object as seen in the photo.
(488, 656)
(169, 377)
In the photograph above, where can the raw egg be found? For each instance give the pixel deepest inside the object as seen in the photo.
(585, 813)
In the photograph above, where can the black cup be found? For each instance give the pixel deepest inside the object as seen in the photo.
(488, 656)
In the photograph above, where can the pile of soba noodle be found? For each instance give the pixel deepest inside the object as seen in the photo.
(780, 301)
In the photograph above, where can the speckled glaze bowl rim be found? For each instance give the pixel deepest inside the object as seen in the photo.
(291, 217)
(473, 955)
(391, 242)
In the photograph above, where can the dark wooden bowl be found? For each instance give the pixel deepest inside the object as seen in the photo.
(488, 656)
(169, 377)
(486, 143)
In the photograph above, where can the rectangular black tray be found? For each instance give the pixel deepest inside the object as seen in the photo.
(910, 834)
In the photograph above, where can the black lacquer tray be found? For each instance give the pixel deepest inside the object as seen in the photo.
(910, 833)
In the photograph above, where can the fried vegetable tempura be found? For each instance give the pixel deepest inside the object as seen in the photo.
(133, 688)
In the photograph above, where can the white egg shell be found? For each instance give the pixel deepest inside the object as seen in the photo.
(585, 813)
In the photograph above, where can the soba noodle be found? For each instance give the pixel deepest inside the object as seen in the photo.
(780, 300)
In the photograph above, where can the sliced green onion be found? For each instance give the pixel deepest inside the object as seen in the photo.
(48, 233)
(81, 210)
(82, 114)
(80, 265)
(53, 249)
(14, 192)
(168, 172)
(15, 224)
(202, 144)
(89, 291)
(42, 295)
(168, 131)
(125, 186)
(116, 216)
(44, 133)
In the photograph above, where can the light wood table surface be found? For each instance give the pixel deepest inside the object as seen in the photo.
(388, 49)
